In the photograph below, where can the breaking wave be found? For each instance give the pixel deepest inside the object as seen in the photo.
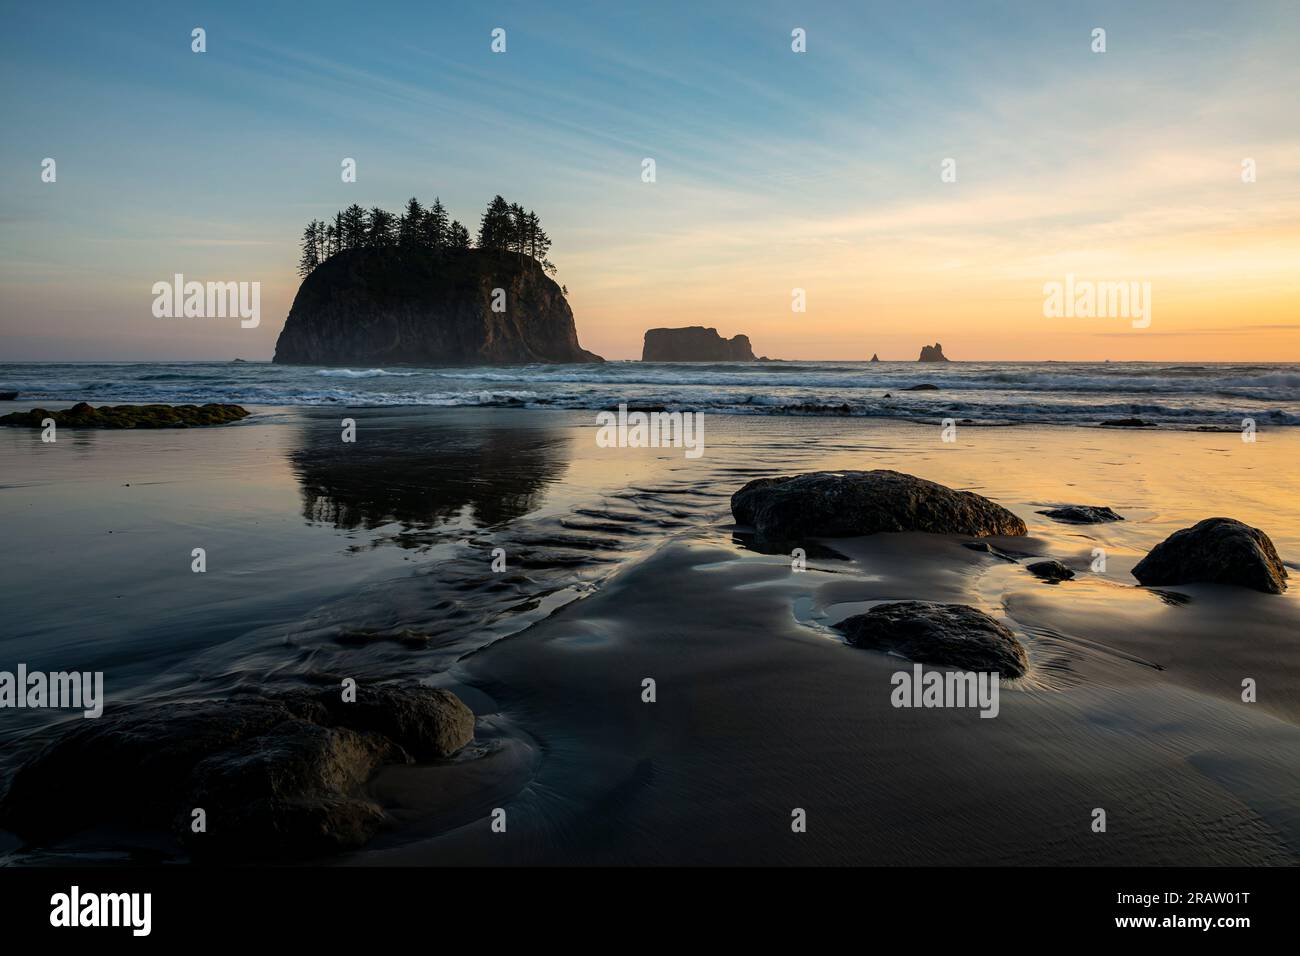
(1186, 396)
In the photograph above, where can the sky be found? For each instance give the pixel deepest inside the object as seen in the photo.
(775, 170)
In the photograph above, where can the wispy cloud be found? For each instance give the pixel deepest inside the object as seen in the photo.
(775, 170)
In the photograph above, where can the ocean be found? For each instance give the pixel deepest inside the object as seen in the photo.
(1174, 395)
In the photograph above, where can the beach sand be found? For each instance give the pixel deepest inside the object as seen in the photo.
(624, 564)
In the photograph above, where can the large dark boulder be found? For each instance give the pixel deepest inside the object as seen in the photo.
(431, 723)
(292, 791)
(417, 307)
(276, 774)
(695, 343)
(1216, 550)
(944, 635)
(849, 503)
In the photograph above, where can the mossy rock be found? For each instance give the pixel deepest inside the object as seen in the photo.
(83, 415)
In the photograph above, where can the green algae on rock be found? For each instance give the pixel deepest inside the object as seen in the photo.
(83, 415)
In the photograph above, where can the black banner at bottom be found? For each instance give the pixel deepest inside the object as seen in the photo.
(183, 904)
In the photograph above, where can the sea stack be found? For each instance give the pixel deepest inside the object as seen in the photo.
(875, 357)
(695, 343)
(420, 307)
(932, 353)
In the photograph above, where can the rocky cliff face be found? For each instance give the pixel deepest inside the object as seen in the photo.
(695, 343)
(384, 307)
(932, 353)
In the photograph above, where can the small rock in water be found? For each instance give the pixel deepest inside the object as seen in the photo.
(1128, 423)
(816, 408)
(1215, 551)
(945, 635)
(983, 547)
(1051, 571)
(1082, 514)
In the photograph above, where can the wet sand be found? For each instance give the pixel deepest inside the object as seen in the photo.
(624, 565)
(1132, 704)
(757, 714)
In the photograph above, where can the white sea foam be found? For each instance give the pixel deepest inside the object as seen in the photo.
(1188, 395)
(368, 373)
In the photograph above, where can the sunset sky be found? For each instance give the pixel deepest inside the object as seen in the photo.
(775, 170)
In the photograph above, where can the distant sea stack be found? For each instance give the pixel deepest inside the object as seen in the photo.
(932, 353)
(695, 343)
(368, 306)
(875, 357)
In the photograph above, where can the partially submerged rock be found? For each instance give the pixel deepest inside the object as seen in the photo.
(983, 547)
(1216, 550)
(84, 415)
(1082, 514)
(848, 503)
(944, 635)
(277, 774)
(1051, 571)
(924, 387)
(1128, 423)
(817, 408)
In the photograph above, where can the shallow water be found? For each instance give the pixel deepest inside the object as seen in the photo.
(306, 535)
(374, 560)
